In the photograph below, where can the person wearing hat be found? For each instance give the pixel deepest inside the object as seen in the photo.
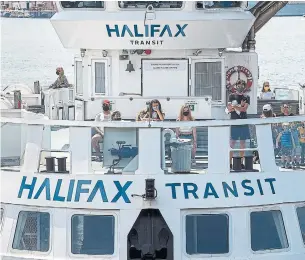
(267, 111)
(98, 132)
(61, 81)
(266, 91)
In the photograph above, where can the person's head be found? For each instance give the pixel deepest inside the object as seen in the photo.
(155, 105)
(285, 126)
(59, 71)
(106, 106)
(116, 116)
(185, 113)
(267, 110)
(285, 109)
(266, 87)
(240, 86)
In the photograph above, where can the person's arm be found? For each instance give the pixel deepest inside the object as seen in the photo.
(161, 117)
(292, 138)
(277, 140)
(64, 81)
(242, 108)
(195, 136)
(177, 129)
(55, 84)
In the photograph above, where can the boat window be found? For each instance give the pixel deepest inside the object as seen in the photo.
(79, 77)
(83, 4)
(100, 77)
(301, 217)
(155, 4)
(268, 230)
(93, 234)
(32, 232)
(208, 80)
(217, 4)
(207, 234)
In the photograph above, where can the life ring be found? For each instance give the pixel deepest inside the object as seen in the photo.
(246, 85)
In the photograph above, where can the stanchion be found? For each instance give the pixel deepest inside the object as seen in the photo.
(50, 164)
(62, 164)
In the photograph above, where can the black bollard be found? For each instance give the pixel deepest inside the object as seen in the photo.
(62, 164)
(237, 163)
(249, 163)
(50, 164)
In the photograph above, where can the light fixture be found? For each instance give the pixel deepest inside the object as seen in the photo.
(220, 51)
(82, 52)
(129, 67)
(150, 190)
(197, 52)
(105, 53)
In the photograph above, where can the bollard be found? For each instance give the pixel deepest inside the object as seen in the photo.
(62, 164)
(237, 163)
(249, 163)
(17, 99)
(50, 164)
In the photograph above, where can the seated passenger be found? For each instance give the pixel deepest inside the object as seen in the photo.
(266, 92)
(116, 116)
(61, 81)
(155, 111)
(187, 132)
(267, 111)
(98, 132)
(143, 115)
(285, 110)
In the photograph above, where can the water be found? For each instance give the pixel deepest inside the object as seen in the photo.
(31, 50)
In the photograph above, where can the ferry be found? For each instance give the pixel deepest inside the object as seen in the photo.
(149, 192)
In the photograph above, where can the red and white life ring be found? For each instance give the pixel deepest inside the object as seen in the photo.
(247, 84)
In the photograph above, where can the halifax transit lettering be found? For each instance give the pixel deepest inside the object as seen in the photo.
(90, 190)
(152, 30)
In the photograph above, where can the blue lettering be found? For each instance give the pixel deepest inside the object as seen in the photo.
(136, 32)
(45, 185)
(180, 30)
(233, 190)
(167, 29)
(126, 29)
(193, 190)
(70, 190)
(116, 30)
(25, 186)
(146, 30)
(260, 187)
(121, 191)
(173, 186)
(251, 190)
(207, 192)
(56, 196)
(79, 188)
(98, 186)
(270, 180)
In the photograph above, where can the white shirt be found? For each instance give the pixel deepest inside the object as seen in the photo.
(267, 95)
(102, 117)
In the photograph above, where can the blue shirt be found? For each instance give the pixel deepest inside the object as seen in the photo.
(286, 139)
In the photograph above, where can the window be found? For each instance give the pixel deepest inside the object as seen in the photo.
(208, 79)
(32, 232)
(79, 77)
(267, 230)
(82, 4)
(155, 4)
(301, 217)
(217, 4)
(207, 234)
(93, 235)
(100, 77)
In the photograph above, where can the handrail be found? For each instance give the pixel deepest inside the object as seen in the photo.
(154, 124)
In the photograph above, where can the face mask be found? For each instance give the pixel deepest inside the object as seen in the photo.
(57, 72)
(156, 108)
(186, 113)
(105, 107)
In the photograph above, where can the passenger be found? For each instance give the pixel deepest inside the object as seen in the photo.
(285, 110)
(155, 111)
(267, 111)
(301, 129)
(143, 115)
(237, 107)
(266, 92)
(61, 81)
(287, 145)
(98, 132)
(187, 132)
(116, 116)
(297, 145)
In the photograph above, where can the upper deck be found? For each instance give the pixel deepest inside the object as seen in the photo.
(157, 25)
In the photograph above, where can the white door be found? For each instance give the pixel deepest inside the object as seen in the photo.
(165, 78)
(208, 78)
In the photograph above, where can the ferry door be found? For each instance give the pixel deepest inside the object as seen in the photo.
(165, 78)
(208, 78)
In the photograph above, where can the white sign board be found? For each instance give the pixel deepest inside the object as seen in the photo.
(165, 78)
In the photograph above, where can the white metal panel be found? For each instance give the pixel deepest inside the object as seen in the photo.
(165, 78)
